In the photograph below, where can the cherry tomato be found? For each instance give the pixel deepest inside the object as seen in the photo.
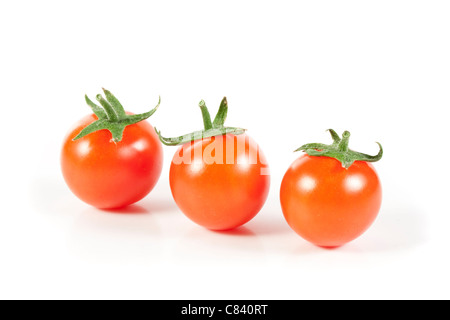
(111, 169)
(220, 182)
(328, 204)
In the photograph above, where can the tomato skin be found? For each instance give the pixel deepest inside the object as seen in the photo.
(108, 174)
(220, 196)
(327, 204)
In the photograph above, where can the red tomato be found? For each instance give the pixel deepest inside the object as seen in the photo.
(108, 174)
(327, 204)
(220, 182)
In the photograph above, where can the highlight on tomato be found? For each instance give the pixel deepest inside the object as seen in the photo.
(111, 158)
(219, 177)
(331, 195)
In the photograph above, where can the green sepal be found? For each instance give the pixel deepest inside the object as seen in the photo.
(339, 150)
(198, 135)
(115, 128)
(115, 104)
(98, 111)
(112, 116)
(110, 112)
(211, 129)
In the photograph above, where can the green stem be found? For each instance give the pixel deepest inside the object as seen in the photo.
(343, 144)
(115, 104)
(334, 136)
(210, 129)
(108, 108)
(112, 117)
(206, 116)
(339, 150)
(221, 115)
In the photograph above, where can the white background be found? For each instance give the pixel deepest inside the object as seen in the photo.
(290, 70)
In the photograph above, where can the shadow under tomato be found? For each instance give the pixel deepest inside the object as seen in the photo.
(159, 204)
(216, 248)
(131, 209)
(239, 231)
(269, 223)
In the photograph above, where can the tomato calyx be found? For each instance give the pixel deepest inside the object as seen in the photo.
(339, 150)
(211, 128)
(112, 116)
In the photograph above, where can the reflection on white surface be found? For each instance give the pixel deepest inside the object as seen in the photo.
(152, 244)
